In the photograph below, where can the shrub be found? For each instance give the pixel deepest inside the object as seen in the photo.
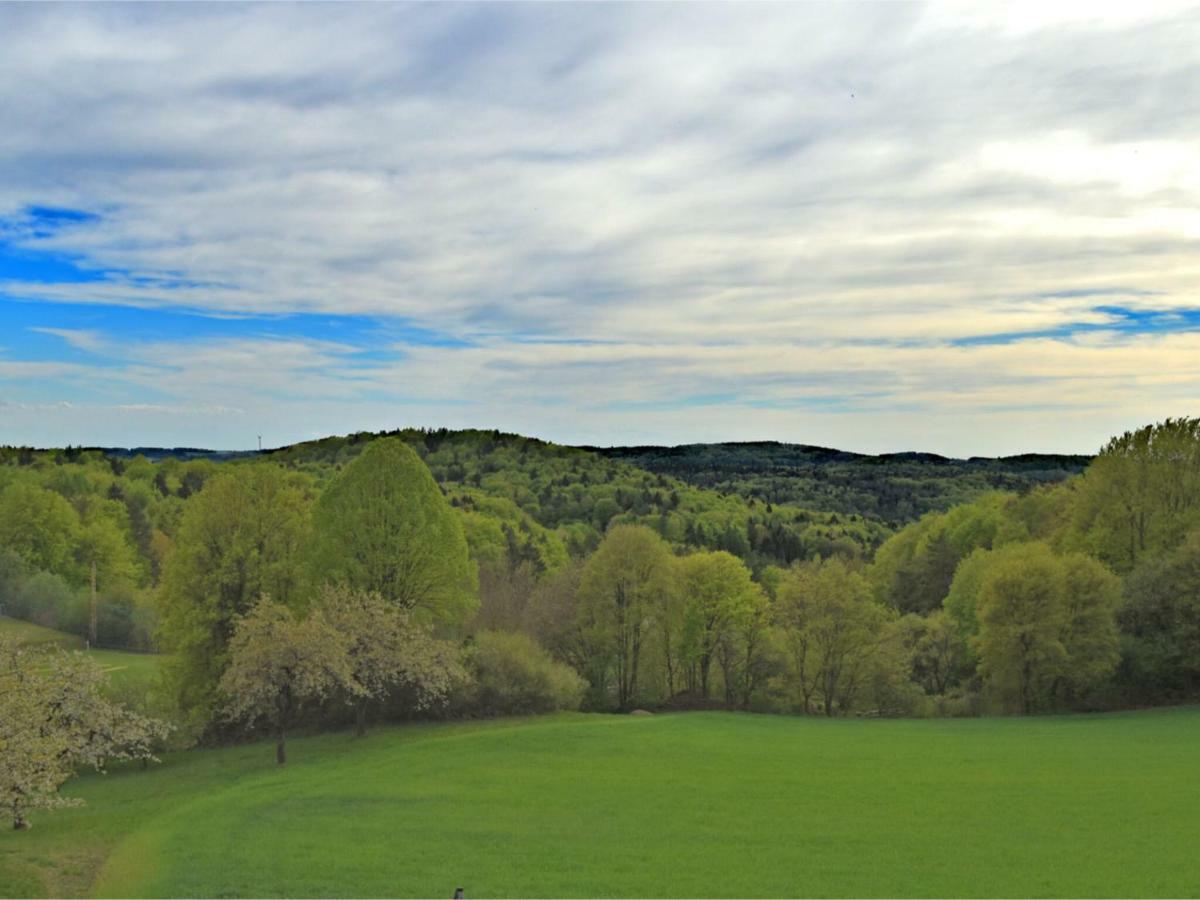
(48, 600)
(514, 675)
(13, 573)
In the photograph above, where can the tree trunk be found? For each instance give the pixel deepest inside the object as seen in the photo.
(637, 653)
(670, 664)
(92, 609)
(280, 748)
(19, 822)
(360, 718)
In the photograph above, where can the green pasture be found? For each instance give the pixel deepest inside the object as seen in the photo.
(126, 671)
(712, 804)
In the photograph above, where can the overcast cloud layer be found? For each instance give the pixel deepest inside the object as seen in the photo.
(967, 229)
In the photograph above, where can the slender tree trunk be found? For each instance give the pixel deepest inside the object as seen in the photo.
(280, 746)
(18, 814)
(637, 653)
(92, 609)
(360, 717)
(670, 663)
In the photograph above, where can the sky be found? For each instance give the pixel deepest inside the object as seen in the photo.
(971, 229)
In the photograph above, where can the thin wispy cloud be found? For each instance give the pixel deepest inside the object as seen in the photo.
(879, 226)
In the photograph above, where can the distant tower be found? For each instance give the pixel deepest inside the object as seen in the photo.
(260, 443)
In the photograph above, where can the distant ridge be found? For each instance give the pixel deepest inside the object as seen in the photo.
(810, 454)
(794, 454)
(889, 488)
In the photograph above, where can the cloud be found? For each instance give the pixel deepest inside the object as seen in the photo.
(88, 341)
(798, 214)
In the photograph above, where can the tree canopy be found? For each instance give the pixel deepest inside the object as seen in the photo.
(383, 526)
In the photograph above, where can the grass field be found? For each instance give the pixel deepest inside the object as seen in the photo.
(124, 670)
(705, 804)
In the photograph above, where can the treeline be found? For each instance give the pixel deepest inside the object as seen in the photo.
(484, 556)
(1080, 595)
(84, 533)
(894, 488)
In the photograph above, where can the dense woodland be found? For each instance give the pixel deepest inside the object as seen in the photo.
(893, 487)
(475, 573)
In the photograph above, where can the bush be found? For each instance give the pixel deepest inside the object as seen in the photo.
(13, 573)
(49, 601)
(125, 619)
(513, 675)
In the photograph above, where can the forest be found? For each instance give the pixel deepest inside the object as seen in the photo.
(463, 574)
(894, 487)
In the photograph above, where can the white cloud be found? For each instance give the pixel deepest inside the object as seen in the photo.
(780, 204)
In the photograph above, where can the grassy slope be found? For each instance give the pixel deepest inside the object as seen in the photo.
(704, 804)
(132, 670)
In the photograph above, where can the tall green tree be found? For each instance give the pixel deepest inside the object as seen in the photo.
(104, 552)
(383, 526)
(1046, 626)
(41, 527)
(834, 633)
(242, 537)
(722, 603)
(620, 588)
(936, 650)
(1141, 495)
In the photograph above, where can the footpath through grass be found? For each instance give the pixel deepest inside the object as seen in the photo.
(707, 804)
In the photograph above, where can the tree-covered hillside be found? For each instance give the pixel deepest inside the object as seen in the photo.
(530, 486)
(893, 487)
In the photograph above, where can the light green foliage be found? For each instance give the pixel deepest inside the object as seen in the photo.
(278, 664)
(242, 537)
(620, 587)
(54, 718)
(383, 525)
(833, 633)
(512, 675)
(105, 554)
(104, 541)
(40, 526)
(387, 651)
(913, 570)
(1047, 630)
(724, 618)
(1141, 495)
(963, 599)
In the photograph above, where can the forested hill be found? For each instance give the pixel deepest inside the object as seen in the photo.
(579, 494)
(890, 489)
(894, 487)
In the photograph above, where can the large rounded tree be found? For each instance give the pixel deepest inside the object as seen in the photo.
(383, 526)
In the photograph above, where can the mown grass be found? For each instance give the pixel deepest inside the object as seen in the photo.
(688, 805)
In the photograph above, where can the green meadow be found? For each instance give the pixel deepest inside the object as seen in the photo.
(126, 671)
(707, 804)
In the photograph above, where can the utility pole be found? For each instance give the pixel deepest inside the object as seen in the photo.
(92, 611)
